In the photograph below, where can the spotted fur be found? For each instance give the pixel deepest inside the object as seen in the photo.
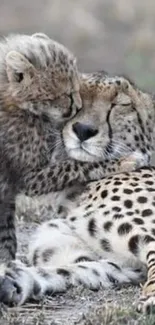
(101, 243)
(39, 90)
(108, 237)
(39, 93)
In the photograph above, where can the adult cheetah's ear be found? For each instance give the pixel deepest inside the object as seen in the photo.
(17, 66)
(41, 35)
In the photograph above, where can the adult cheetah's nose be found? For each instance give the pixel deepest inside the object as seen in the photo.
(84, 131)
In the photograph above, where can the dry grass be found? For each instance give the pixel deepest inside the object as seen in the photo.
(84, 309)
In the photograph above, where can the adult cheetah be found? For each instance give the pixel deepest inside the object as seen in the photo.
(108, 238)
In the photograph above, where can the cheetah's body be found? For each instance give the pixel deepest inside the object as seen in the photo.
(108, 239)
(83, 247)
(111, 214)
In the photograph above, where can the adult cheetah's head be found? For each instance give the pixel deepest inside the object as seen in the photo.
(116, 120)
(38, 74)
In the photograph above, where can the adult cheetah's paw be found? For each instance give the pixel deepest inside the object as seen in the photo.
(17, 285)
(10, 291)
(132, 162)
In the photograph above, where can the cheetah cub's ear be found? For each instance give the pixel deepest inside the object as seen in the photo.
(18, 67)
(41, 35)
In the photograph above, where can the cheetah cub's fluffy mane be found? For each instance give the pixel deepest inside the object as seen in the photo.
(34, 69)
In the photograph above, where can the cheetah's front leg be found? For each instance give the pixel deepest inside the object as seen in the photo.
(24, 283)
(70, 172)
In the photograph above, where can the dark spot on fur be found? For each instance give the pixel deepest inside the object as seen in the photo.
(133, 244)
(53, 225)
(142, 199)
(101, 206)
(87, 214)
(83, 267)
(138, 221)
(105, 244)
(63, 272)
(144, 229)
(116, 209)
(147, 175)
(73, 219)
(96, 273)
(88, 206)
(129, 213)
(118, 215)
(128, 204)
(138, 189)
(61, 209)
(92, 227)
(124, 228)
(148, 238)
(115, 190)
(104, 194)
(133, 184)
(115, 198)
(47, 253)
(35, 257)
(83, 259)
(150, 189)
(147, 213)
(117, 183)
(127, 191)
(149, 183)
(108, 182)
(153, 231)
(107, 225)
(106, 212)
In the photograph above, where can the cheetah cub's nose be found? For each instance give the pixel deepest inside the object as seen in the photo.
(84, 131)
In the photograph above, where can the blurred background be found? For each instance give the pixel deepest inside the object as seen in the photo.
(114, 35)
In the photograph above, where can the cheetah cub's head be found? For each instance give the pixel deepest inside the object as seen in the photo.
(40, 75)
(116, 120)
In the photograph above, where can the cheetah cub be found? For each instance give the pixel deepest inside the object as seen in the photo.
(108, 238)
